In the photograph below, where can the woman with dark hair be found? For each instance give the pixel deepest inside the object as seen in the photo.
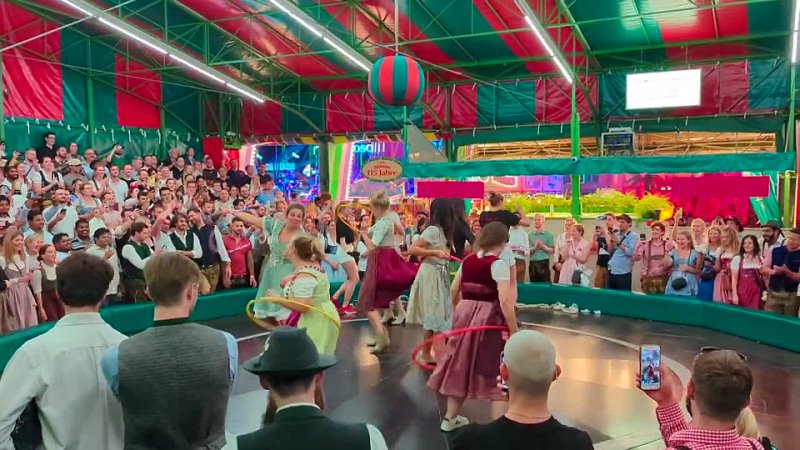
(429, 304)
(747, 282)
(462, 232)
(44, 284)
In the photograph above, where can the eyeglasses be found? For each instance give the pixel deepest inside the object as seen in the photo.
(705, 350)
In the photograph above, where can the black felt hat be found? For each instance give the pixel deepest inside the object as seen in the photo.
(289, 352)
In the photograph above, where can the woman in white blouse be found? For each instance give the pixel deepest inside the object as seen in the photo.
(23, 310)
(44, 284)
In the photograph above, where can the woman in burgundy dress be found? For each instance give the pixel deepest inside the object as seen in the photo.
(482, 294)
(748, 284)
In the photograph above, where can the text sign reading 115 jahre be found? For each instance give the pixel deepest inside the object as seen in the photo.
(382, 169)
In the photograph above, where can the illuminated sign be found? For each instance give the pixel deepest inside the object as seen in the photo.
(382, 169)
(670, 89)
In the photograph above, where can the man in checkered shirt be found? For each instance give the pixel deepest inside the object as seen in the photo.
(718, 391)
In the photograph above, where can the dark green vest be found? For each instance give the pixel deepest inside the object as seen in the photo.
(290, 431)
(129, 271)
(179, 245)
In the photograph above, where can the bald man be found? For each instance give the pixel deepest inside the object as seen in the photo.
(529, 368)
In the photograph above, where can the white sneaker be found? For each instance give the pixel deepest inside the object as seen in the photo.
(558, 306)
(585, 311)
(571, 310)
(453, 424)
(597, 313)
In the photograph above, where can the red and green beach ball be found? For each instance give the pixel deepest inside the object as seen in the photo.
(396, 81)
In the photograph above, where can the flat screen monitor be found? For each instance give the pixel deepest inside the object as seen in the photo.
(671, 89)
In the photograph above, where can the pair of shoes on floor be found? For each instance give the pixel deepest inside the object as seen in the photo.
(558, 306)
(572, 310)
(453, 424)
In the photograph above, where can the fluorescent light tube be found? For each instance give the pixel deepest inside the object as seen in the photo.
(76, 7)
(795, 31)
(346, 54)
(197, 69)
(297, 19)
(133, 36)
(245, 93)
(545, 40)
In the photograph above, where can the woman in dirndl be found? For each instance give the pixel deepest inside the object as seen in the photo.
(21, 308)
(45, 284)
(429, 303)
(685, 263)
(652, 254)
(723, 283)
(276, 268)
(483, 294)
(748, 283)
(388, 275)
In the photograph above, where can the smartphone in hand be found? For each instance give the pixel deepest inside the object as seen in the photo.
(650, 367)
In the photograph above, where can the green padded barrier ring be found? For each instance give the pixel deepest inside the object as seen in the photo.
(766, 328)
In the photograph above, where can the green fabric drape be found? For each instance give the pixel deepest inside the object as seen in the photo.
(596, 165)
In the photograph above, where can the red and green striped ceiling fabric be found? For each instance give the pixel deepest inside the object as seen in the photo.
(484, 68)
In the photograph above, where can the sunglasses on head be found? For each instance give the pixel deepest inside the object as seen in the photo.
(705, 350)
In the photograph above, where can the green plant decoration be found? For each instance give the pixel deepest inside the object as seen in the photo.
(600, 202)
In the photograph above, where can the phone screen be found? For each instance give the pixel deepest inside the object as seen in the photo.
(503, 384)
(650, 366)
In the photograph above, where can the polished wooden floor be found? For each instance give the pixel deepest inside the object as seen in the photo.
(596, 392)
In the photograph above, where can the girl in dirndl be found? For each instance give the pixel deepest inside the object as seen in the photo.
(723, 283)
(388, 275)
(748, 283)
(652, 254)
(429, 303)
(483, 294)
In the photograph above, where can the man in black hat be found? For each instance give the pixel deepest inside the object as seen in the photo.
(291, 369)
(771, 237)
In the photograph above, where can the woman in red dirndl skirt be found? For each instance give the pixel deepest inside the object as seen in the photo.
(748, 284)
(483, 294)
(388, 275)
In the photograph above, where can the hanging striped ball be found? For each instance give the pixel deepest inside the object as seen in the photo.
(396, 81)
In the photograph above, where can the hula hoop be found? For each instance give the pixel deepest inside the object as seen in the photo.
(249, 310)
(445, 335)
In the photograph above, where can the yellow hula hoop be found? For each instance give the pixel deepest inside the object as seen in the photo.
(251, 314)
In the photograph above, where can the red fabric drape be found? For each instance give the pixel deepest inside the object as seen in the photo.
(260, 119)
(32, 86)
(212, 147)
(135, 109)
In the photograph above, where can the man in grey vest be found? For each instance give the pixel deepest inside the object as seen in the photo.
(174, 379)
(291, 368)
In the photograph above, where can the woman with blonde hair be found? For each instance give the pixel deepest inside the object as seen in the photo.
(574, 254)
(22, 309)
(723, 282)
(309, 285)
(711, 251)
(388, 275)
(685, 263)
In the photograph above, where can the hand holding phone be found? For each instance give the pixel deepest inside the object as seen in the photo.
(650, 367)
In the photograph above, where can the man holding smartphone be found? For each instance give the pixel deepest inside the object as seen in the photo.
(621, 246)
